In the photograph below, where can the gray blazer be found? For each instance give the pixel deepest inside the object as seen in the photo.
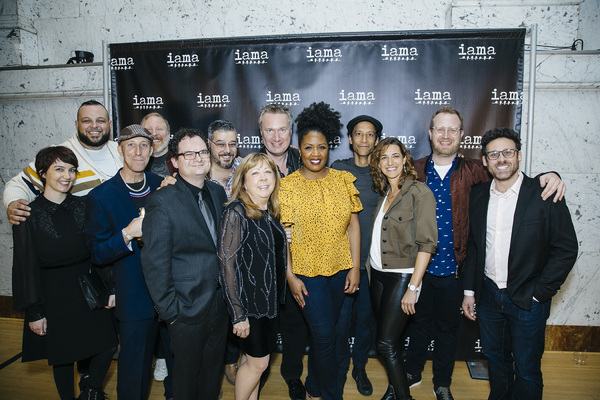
(179, 257)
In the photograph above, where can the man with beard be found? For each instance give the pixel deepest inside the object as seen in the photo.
(159, 127)
(450, 178)
(98, 160)
(223, 146)
(520, 252)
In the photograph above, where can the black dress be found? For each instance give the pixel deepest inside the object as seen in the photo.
(252, 257)
(49, 255)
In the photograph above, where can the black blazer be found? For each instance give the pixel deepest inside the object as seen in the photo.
(179, 257)
(543, 246)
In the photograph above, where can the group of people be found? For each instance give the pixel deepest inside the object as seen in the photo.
(214, 255)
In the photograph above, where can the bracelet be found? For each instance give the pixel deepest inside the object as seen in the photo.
(127, 235)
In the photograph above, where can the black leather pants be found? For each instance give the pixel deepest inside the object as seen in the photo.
(387, 290)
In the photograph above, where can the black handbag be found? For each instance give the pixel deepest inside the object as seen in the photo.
(95, 291)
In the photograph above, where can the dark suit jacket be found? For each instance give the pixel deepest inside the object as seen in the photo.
(179, 258)
(543, 246)
(109, 210)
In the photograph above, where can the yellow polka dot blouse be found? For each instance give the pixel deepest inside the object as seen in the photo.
(319, 211)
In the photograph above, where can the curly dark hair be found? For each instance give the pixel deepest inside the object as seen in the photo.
(319, 117)
(380, 181)
(498, 133)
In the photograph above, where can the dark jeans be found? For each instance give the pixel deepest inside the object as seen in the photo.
(294, 337)
(387, 290)
(198, 352)
(513, 341)
(439, 304)
(359, 304)
(134, 367)
(321, 310)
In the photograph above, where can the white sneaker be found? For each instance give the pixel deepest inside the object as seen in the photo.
(160, 370)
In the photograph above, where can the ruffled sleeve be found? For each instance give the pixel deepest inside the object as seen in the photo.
(355, 204)
(230, 244)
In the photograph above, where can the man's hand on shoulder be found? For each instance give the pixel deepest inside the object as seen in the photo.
(18, 211)
(168, 180)
(552, 183)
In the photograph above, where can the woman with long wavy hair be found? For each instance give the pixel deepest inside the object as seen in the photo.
(403, 238)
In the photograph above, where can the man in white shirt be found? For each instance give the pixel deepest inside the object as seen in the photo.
(519, 253)
(99, 160)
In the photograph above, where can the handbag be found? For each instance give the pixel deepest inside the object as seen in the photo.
(95, 291)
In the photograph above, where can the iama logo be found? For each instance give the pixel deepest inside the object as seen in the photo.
(393, 53)
(501, 98)
(251, 56)
(121, 63)
(426, 98)
(182, 60)
(286, 98)
(323, 55)
(356, 98)
(147, 102)
(471, 53)
(212, 100)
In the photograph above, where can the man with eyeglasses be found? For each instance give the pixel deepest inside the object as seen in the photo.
(223, 146)
(520, 252)
(450, 177)
(181, 269)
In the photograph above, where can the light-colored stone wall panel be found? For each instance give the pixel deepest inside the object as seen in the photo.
(557, 24)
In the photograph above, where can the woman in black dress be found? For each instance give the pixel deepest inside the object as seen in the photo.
(49, 256)
(252, 255)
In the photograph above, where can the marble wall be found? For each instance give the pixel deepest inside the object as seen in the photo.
(38, 104)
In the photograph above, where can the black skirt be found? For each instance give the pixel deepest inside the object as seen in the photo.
(262, 338)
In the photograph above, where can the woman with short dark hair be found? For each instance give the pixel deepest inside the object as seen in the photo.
(49, 256)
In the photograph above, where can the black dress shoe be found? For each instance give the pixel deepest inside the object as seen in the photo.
(296, 389)
(363, 384)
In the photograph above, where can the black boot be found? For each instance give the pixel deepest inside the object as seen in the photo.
(389, 394)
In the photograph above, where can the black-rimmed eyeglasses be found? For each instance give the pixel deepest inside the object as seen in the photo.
(190, 155)
(507, 153)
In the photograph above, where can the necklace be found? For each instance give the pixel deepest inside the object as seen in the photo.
(132, 189)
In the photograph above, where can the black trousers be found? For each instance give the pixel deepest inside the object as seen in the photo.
(387, 290)
(294, 337)
(198, 354)
(439, 305)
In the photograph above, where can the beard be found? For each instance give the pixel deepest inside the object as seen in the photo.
(445, 151)
(101, 141)
(222, 164)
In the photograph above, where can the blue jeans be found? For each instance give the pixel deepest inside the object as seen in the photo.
(513, 341)
(363, 336)
(321, 311)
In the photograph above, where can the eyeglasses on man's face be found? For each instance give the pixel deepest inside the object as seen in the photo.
(507, 153)
(190, 155)
(221, 145)
(440, 130)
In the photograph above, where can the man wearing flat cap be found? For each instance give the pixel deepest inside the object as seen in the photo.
(113, 227)
(364, 133)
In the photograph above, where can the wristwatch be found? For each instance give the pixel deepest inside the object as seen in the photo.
(412, 287)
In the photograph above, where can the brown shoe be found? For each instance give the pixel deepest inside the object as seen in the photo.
(231, 373)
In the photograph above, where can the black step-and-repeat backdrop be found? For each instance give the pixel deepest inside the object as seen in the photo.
(401, 78)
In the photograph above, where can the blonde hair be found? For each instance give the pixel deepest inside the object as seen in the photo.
(239, 192)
